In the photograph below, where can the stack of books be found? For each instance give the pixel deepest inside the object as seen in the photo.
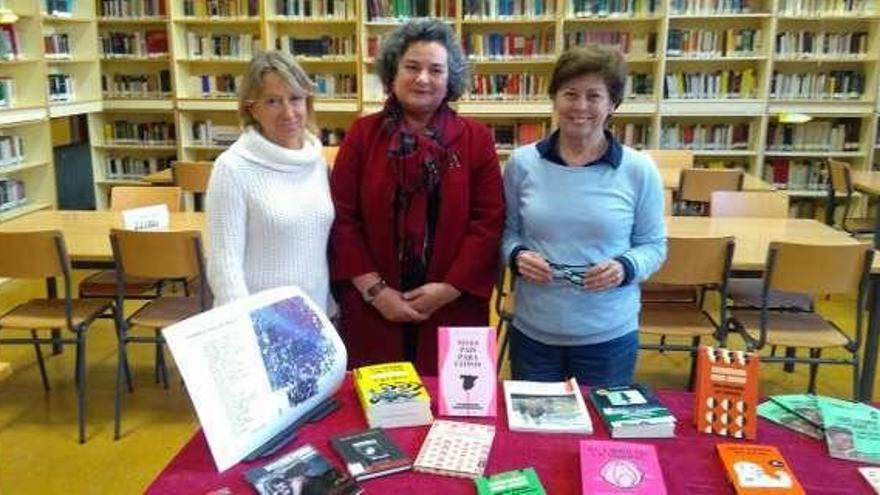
(633, 411)
(393, 395)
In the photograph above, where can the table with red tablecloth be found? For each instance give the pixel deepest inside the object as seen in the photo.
(689, 461)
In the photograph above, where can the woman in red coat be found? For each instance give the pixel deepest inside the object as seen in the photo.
(419, 207)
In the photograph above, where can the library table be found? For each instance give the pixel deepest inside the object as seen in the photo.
(751, 182)
(160, 178)
(869, 183)
(689, 461)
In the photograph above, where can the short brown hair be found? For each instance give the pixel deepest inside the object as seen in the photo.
(288, 70)
(603, 60)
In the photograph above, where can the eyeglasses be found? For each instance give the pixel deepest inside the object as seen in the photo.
(573, 274)
(275, 103)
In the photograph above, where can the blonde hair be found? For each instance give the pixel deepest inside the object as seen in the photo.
(288, 70)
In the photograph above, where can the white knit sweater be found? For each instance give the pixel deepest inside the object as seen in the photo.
(269, 215)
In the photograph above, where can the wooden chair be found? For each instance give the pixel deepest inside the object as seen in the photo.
(43, 254)
(751, 204)
(103, 284)
(690, 262)
(813, 269)
(504, 301)
(330, 153)
(193, 178)
(696, 185)
(671, 158)
(158, 255)
(840, 184)
(667, 202)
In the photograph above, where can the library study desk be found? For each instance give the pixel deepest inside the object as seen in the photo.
(688, 461)
(751, 182)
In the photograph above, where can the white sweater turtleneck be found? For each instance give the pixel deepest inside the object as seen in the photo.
(269, 214)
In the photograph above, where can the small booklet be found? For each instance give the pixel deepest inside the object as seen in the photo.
(302, 471)
(620, 467)
(467, 378)
(516, 482)
(455, 448)
(852, 429)
(726, 393)
(758, 469)
(872, 476)
(797, 412)
(551, 407)
(633, 411)
(370, 453)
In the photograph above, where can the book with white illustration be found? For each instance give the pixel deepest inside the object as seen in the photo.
(550, 407)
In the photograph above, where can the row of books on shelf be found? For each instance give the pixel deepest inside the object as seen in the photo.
(722, 84)
(134, 167)
(705, 136)
(501, 46)
(122, 85)
(324, 46)
(806, 43)
(11, 193)
(393, 10)
(482, 9)
(333, 9)
(132, 8)
(151, 43)
(139, 133)
(818, 7)
(820, 135)
(9, 49)
(336, 86)
(701, 7)
(834, 84)
(56, 45)
(11, 150)
(509, 136)
(800, 174)
(60, 87)
(221, 8)
(614, 8)
(209, 46)
(63, 8)
(7, 92)
(633, 134)
(215, 85)
(712, 43)
(639, 44)
(207, 133)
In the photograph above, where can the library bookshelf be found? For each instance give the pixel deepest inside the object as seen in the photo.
(770, 86)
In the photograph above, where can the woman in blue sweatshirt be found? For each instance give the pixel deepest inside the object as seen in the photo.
(584, 226)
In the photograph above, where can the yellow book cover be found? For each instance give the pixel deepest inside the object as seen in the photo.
(389, 383)
(748, 84)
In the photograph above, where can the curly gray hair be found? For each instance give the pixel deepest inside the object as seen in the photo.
(424, 29)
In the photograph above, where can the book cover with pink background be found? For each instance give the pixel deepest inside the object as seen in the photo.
(467, 376)
(609, 467)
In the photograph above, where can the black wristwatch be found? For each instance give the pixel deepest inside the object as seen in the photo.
(373, 291)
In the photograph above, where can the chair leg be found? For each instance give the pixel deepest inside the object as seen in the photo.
(791, 353)
(121, 375)
(662, 344)
(502, 347)
(772, 351)
(815, 353)
(695, 343)
(856, 377)
(40, 361)
(161, 368)
(81, 382)
(119, 318)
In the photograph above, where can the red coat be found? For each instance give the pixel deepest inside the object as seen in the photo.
(466, 244)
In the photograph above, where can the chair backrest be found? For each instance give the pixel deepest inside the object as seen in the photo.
(192, 176)
(127, 197)
(671, 158)
(697, 184)
(695, 261)
(667, 201)
(36, 254)
(158, 254)
(754, 204)
(818, 269)
(840, 177)
(330, 153)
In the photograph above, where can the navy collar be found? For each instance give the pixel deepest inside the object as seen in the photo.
(549, 150)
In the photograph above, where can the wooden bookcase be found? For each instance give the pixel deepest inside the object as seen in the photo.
(741, 81)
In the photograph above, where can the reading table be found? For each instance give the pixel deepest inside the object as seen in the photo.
(689, 461)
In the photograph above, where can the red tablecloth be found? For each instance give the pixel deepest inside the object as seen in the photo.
(689, 461)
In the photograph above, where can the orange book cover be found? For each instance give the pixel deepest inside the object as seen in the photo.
(726, 393)
(758, 470)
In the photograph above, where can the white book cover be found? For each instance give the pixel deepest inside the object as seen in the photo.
(254, 366)
(872, 476)
(455, 448)
(553, 407)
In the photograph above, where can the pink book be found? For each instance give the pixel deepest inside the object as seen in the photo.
(609, 467)
(466, 371)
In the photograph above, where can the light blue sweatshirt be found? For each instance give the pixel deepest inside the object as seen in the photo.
(611, 208)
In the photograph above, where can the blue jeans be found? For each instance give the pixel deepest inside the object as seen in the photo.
(597, 365)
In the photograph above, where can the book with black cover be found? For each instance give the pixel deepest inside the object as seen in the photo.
(304, 470)
(370, 453)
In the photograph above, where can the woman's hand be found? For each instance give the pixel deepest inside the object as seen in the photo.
(533, 267)
(394, 307)
(431, 297)
(603, 276)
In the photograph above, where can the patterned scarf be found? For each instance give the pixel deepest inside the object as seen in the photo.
(420, 160)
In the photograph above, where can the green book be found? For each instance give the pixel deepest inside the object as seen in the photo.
(516, 482)
(632, 411)
(795, 412)
(852, 429)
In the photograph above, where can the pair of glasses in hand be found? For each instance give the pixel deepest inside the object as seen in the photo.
(573, 274)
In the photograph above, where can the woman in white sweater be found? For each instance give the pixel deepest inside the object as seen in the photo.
(268, 202)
